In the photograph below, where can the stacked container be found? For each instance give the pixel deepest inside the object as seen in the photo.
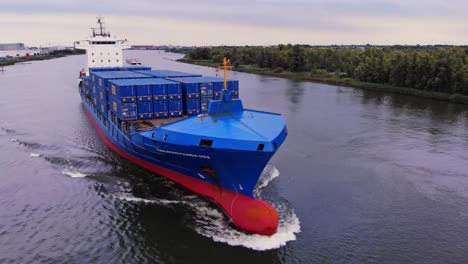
(218, 87)
(122, 99)
(205, 89)
(86, 85)
(174, 96)
(101, 77)
(167, 74)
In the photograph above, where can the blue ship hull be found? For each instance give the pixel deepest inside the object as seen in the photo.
(226, 175)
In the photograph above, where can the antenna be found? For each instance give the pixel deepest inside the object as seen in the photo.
(102, 29)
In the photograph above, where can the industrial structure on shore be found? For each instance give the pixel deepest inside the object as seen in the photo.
(16, 50)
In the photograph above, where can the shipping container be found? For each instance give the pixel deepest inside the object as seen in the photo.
(135, 68)
(160, 87)
(131, 90)
(86, 81)
(174, 91)
(125, 111)
(206, 90)
(94, 91)
(102, 94)
(160, 108)
(233, 87)
(122, 90)
(102, 78)
(175, 108)
(204, 102)
(103, 69)
(159, 92)
(209, 87)
(144, 93)
(145, 110)
(86, 85)
(168, 74)
(102, 108)
(192, 106)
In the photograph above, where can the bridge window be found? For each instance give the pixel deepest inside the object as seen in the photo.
(206, 142)
(260, 147)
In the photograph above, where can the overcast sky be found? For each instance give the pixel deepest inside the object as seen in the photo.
(240, 22)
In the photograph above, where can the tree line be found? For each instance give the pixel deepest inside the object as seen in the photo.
(441, 69)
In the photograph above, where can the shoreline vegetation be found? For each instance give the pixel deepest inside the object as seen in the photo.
(51, 55)
(439, 73)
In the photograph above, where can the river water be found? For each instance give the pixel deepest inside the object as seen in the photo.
(363, 177)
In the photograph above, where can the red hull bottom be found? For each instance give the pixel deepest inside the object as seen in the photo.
(249, 214)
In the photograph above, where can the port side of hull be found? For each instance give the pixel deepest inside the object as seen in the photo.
(237, 171)
(249, 214)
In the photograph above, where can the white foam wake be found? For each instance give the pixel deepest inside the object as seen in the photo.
(73, 174)
(153, 201)
(269, 174)
(212, 223)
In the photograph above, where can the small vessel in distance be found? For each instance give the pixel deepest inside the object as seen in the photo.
(133, 61)
(188, 128)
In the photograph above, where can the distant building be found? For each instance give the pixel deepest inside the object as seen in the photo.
(12, 46)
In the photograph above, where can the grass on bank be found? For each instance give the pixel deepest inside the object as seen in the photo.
(338, 79)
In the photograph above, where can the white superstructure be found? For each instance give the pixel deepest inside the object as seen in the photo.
(102, 49)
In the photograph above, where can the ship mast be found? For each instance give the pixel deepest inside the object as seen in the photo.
(225, 67)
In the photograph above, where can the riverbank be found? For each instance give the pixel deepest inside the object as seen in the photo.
(53, 55)
(334, 78)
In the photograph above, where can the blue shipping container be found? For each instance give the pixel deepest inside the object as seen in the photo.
(233, 86)
(206, 90)
(102, 78)
(204, 102)
(206, 86)
(94, 90)
(192, 106)
(125, 111)
(174, 91)
(160, 108)
(145, 110)
(103, 69)
(135, 68)
(102, 108)
(144, 93)
(191, 90)
(102, 95)
(159, 91)
(86, 85)
(175, 108)
(122, 90)
(168, 74)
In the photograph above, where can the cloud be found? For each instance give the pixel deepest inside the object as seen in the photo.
(315, 21)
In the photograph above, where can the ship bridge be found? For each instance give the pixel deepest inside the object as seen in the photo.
(103, 49)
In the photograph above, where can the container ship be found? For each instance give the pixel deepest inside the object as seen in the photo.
(189, 128)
